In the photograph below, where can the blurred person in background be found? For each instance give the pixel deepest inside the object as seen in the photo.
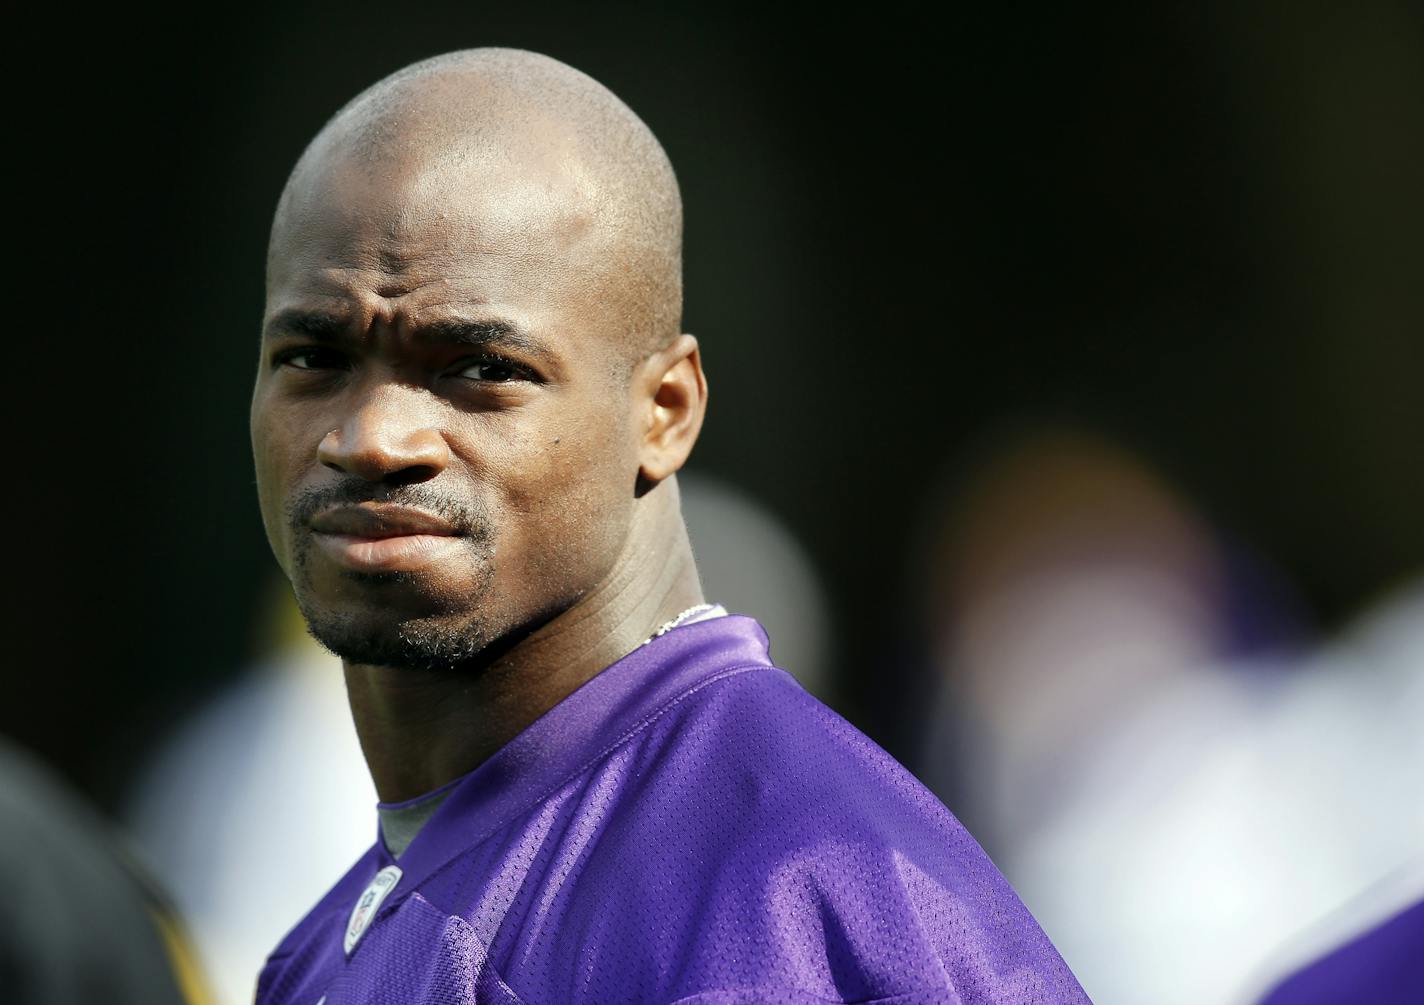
(472, 403)
(82, 923)
(1171, 778)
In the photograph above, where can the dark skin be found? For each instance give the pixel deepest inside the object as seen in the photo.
(457, 444)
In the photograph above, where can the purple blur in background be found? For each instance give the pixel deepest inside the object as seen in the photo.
(1384, 966)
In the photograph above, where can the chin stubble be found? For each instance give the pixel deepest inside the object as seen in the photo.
(440, 641)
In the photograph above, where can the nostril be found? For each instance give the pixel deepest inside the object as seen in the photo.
(412, 474)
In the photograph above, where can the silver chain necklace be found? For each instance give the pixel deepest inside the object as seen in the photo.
(668, 626)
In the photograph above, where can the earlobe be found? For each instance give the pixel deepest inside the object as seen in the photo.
(676, 405)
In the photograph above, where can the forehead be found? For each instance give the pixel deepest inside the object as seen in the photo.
(442, 227)
(451, 209)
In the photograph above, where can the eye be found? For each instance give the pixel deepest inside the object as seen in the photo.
(491, 369)
(310, 359)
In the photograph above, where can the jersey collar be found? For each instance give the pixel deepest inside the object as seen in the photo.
(577, 732)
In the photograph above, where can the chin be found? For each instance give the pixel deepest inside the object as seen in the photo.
(395, 619)
(430, 644)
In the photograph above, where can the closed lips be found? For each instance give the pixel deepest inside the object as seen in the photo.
(375, 521)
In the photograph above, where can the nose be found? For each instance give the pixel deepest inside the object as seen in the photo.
(387, 438)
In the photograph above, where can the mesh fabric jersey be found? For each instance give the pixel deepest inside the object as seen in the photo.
(689, 826)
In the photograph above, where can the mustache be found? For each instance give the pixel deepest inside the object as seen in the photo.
(469, 518)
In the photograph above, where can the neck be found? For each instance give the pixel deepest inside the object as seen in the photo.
(420, 730)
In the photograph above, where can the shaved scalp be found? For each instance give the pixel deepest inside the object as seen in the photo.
(467, 114)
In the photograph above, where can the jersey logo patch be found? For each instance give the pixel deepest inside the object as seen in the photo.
(368, 903)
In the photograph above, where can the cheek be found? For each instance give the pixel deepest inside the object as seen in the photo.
(569, 499)
(577, 480)
(274, 461)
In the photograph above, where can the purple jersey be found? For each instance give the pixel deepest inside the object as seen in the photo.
(689, 826)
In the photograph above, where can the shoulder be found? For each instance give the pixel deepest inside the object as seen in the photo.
(757, 743)
(756, 763)
(770, 837)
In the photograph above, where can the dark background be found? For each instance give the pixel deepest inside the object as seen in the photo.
(1196, 228)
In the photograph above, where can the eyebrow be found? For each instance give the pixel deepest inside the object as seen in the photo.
(334, 329)
(480, 335)
(313, 324)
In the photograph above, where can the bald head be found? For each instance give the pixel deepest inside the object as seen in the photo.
(527, 154)
(473, 298)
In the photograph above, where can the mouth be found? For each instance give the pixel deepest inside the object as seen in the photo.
(379, 537)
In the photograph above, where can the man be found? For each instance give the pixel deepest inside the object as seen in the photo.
(472, 401)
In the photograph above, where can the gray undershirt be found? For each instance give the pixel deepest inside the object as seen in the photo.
(400, 824)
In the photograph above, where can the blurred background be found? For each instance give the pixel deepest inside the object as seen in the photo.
(1065, 431)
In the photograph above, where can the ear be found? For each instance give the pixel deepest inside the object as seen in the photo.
(672, 405)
